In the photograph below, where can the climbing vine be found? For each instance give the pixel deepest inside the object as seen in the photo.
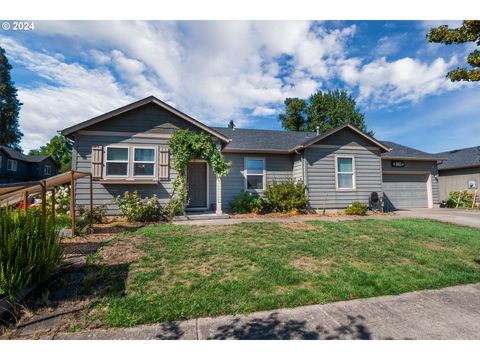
(186, 146)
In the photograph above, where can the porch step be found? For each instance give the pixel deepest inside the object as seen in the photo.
(200, 216)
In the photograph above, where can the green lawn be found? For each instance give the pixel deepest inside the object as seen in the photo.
(173, 272)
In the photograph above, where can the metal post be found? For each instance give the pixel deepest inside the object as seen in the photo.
(72, 201)
(44, 202)
(53, 206)
(25, 203)
(91, 200)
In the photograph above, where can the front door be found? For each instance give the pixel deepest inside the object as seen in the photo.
(197, 184)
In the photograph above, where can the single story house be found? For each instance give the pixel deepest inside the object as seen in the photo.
(127, 150)
(18, 167)
(459, 171)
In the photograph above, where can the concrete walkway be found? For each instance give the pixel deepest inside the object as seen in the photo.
(456, 216)
(450, 313)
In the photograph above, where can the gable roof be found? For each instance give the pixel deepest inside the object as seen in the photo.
(404, 152)
(346, 126)
(257, 140)
(148, 100)
(17, 155)
(460, 158)
(281, 141)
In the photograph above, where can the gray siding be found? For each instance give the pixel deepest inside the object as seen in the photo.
(456, 180)
(297, 172)
(321, 176)
(278, 167)
(106, 193)
(149, 118)
(418, 166)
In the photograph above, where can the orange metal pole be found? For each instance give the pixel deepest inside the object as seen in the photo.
(72, 201)
(53, 206)
(25, 203)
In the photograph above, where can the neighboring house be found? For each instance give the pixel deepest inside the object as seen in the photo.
(18, 167)
(127, 150)
(459, 171)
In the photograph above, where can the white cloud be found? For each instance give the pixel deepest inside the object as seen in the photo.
(262, 111)
(404, 80)
(215, 71)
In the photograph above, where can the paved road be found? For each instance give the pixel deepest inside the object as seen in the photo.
(456, 216)
(450, 313)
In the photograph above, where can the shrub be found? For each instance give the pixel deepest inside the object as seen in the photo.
(464, 199)
(246, 202)
(62, 200)
(286, 196)
(356, 208)
(134, 208)
(98, 213)
(30, 251)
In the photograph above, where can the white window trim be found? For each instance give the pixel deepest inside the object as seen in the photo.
(245, 173)
(353, 173)
(49, 172)
(154, 162)
(12, 168)
(121, 161)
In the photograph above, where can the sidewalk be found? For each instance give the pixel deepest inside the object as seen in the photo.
(455, 216)
(450, 313)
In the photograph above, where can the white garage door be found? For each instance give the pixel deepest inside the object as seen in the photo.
(405, 191)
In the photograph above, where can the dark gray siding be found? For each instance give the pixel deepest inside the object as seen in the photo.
(149, 118)
(321, 175)
(456, 180)
(278, 167)
(418, 166)
(106, 193)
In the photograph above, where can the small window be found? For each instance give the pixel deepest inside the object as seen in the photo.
(47, 170)
(12, 165)
(345, 173)
(144, 162)
(255, 173)
(117, 161)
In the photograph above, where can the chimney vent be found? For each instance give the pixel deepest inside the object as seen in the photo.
(318, 130)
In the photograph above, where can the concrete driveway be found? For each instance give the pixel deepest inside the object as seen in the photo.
(450, 313)
(456, 216)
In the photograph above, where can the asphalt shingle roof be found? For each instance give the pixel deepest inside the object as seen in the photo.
(402, 151)
(460, 158)
(17, 155)
(255, 139)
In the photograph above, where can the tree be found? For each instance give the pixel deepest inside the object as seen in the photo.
(60, 149)
(469, 31)
(294, 117)
(10, 134)
(231, 125)
(326, 110)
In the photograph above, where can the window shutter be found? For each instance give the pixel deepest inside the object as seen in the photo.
(97, 161)
(163, 163)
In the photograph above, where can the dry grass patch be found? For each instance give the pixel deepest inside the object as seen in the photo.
(311, 265)
(297, 226)
(124, 251)
(217, 229)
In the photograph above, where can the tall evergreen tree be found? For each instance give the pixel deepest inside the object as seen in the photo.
(10, 134)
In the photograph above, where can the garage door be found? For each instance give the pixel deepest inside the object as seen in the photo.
(405, 191)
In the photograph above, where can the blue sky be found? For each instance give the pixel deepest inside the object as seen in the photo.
(69, 71)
